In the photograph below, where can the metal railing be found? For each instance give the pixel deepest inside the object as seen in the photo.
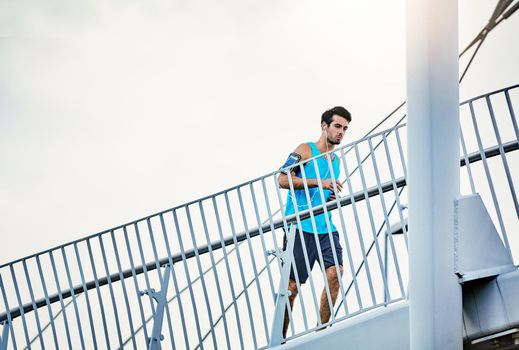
(489, 132)
(201, 275)
(104, 274)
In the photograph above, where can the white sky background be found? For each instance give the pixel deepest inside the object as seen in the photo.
(112, 110)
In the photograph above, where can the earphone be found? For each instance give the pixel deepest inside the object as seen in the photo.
(325, 129)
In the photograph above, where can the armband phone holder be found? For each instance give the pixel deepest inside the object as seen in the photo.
(293, 159)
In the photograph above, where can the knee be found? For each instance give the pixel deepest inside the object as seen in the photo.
(332, 273)
(292, 287)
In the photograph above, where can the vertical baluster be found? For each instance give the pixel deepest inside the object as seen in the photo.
(200, 271)
(401, 151)
(262, 237)
(345, 236)
(512, 114)
(242, 274)
(33, 301)
(216, 278)
(395, 190)
(359, 231)
(20, 306)
(386, 221)
(125, 292)
(254, 268)
(8, 311)
(372, 224)
(56, 279)
(233, 293)
(489, 179)
(144, 267)
(186, 271)
(47, 301)
(270, 220)
(111, 290)
(503, 156)
(87, 298)
(136, 284)
(175, 283)
(73, 297)
(467, 162)
(98, 291)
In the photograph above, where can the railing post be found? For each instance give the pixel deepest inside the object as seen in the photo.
(5, 336)
(435, 298)
(162, 302)
(386, 293)
(281, 298)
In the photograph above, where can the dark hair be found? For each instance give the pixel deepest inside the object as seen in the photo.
(327, 116)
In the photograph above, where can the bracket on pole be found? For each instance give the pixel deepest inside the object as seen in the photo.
(5, 336)
(276, 334)
(162, 301)
(479, 251)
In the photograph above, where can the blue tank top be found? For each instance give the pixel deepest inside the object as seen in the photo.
(300, 197)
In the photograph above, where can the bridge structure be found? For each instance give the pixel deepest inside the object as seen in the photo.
(212, 273)
(209, 273)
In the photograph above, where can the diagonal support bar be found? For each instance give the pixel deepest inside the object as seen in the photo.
(4, 337)
(162, 302)
(282, 295)
(479, 251)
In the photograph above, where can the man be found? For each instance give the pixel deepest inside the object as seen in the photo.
(334, 123)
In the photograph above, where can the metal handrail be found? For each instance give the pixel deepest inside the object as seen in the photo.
(490, 152)
(488, 94)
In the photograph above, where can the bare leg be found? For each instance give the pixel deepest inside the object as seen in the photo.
(333, 282)
(292, 287)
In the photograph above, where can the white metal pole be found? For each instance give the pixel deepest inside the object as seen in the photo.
(433, 173)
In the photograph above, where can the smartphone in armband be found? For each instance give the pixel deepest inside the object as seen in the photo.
(293, 158)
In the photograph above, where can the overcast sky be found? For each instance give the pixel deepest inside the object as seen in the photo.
(112, 110)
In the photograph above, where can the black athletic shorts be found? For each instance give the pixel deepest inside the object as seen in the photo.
(311, 250)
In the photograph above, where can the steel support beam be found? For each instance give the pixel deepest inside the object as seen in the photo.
(433, 173)
(282, 296)
(5, 336)
(162, 302)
